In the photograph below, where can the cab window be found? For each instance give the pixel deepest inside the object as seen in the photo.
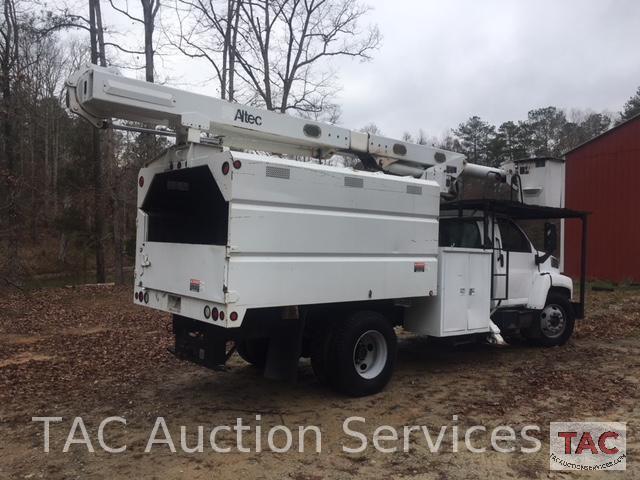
(513, 240)
(460, 233)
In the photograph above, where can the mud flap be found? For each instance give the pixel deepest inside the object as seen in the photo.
(285, 348)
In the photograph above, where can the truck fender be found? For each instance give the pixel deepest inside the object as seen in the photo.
(541, 285)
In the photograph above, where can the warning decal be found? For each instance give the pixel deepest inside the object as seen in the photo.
(195, 285)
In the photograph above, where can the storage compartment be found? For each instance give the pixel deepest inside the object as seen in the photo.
(462, 305)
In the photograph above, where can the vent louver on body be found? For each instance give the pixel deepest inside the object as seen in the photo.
(278, 172)
(353, 182)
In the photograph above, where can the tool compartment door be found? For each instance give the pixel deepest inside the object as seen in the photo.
(455, 280)
(462, 305)
(465, 276)
(478, 296)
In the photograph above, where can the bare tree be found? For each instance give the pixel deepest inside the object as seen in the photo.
(102, 142)
(93, 25)
(328, 112)
(9, 50)
(209, 30)
(274, 48)
(421, 138)
(372, 129)
(30, 76)
(97, 55)
(150, 10)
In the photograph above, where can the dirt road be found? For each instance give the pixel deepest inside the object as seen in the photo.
(88, 352)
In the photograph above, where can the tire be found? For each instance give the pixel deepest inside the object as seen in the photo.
(254, 351)
(555, 323)
(361, 354)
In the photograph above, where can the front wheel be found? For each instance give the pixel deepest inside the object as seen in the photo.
(361, 354)
(554, 325)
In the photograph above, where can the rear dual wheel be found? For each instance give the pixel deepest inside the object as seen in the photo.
(357, 356)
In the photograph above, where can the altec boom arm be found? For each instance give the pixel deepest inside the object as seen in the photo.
(98, 94)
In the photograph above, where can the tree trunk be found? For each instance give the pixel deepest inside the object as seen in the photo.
(8, 151)
(225, 51)
(54, 179)
(99, 33)
(98, 186)
(232, 51)
(149, 25)
(118, 260)
(34, 207)
(98, 208)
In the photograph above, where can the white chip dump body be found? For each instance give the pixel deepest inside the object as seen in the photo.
(274, 232)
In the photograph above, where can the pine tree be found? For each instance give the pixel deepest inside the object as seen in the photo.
(632, 107)
(475, 137)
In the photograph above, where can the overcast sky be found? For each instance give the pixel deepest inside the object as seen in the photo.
(443, 61)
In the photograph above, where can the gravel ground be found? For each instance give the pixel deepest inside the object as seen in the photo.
(89, 352)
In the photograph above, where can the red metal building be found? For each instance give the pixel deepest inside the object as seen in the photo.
(603, 177)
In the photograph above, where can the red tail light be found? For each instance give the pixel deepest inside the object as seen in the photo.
(141, 181)
(225, 168)
(214, 313)
(221, 315)
(136, 295)
(233, 316)
(237, 164)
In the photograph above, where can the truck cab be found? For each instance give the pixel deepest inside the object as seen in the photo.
(516, 270)
(529, 294)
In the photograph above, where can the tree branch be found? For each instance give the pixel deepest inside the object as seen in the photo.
(126, 13)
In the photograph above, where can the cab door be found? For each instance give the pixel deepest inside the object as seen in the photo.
(515, 258)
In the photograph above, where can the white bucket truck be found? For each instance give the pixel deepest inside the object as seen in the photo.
(284, 259)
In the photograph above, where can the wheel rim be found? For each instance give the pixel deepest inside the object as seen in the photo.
(370, 354)
(553, 321)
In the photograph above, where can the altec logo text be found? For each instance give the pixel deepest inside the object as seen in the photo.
(246, 117)
(588, 446)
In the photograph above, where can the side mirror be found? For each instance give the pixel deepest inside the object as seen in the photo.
(550, 237)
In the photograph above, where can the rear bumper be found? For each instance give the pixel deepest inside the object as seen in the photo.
(201, 343)
(212, 313)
